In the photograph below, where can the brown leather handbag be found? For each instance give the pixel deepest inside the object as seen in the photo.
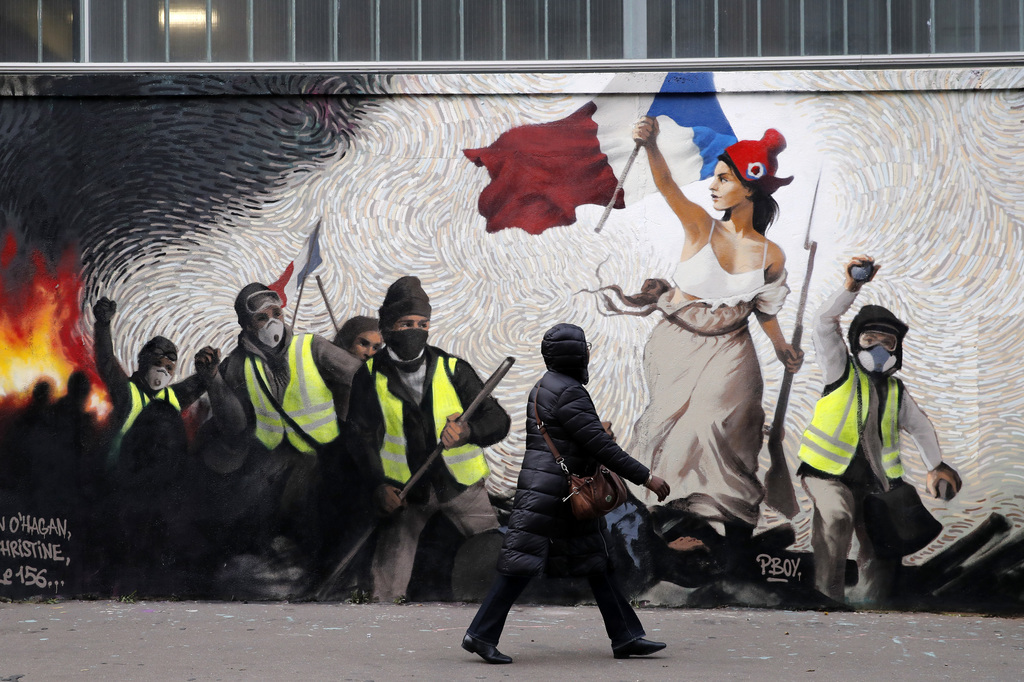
(590, 497)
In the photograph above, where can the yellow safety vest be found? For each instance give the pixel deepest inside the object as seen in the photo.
(307, 400)
(466, 462)
(830, 442)
(139, 401)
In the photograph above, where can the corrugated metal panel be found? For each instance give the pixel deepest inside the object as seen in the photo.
(303, 31)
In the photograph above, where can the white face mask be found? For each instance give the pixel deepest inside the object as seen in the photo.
(271, 333)
(158, 378)
(876, 359)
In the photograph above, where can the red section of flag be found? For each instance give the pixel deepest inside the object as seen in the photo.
(541, 173)
(282, 282)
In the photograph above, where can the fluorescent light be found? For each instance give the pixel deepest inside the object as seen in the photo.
(188, 18)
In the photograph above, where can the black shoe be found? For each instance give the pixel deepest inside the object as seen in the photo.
(485, 651)
(638, 647)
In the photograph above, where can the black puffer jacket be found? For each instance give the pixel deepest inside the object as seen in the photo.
(543, 535)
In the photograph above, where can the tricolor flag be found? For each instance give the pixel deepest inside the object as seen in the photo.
(541, 173)
(288, 284)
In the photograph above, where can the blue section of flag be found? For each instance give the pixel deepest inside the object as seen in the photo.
(689, 99)
(313, 259)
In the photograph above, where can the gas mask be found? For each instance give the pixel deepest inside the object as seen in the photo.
(876, 340)
(407, 344)
(876, 359)
(271, 333)
(158, 377)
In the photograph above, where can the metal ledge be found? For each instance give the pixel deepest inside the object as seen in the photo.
(908, 61)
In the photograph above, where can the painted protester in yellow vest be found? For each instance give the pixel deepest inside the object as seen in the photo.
(853, 445)
(405, 401)
(286, 390)
(157, 361)
(279, 401)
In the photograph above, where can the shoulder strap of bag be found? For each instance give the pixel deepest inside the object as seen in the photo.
(547, 439)
(316, 445)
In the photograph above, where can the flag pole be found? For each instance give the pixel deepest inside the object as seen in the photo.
(295, 310)
(618, 188)
(327, 303)
(313, 245)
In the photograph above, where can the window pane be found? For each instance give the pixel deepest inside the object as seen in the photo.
(954, 25)
(823, 26)
(868, 27)
(313, 30)
(525, 21)
(780, 27)
(59, 30)
(270, 30)
(146, 37)
(106, 23)
(1000, 26)
(18, 31)
(440, 20)
(694, 29)
(355, 30)
(397, 30)
(483, 30)
(230, 31)
(188, 30)
(737, 28)
(910, 26)
(606, 29)
(567, 29)
(659, 29)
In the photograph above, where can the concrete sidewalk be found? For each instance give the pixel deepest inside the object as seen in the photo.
(111, 640)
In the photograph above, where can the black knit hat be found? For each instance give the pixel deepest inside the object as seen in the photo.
(404, 297)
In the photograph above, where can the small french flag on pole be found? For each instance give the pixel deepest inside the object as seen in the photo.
(540, 173)
(291, 280)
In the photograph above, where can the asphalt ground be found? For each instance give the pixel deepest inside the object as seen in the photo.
(180, 640)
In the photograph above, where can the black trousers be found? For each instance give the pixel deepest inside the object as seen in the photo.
(620, 621)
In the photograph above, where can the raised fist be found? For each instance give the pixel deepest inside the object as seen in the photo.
(207, 362)
(104, 310)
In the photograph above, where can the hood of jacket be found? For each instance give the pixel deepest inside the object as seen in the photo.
(565, 351)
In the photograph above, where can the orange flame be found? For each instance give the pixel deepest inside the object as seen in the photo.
(38, 320)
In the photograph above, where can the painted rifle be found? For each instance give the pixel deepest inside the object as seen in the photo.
(779, 493)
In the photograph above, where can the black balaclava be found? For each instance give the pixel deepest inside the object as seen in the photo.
(565, 351)
(875, 318)
(405, 297)
(156, 348)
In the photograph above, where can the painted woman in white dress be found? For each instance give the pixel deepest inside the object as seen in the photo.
(703, 427)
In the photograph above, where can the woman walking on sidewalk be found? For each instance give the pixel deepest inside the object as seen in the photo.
(543, 535)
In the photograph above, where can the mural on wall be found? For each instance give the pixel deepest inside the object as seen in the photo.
(196, 294)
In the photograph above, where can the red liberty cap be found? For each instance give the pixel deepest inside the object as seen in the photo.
(757, 161)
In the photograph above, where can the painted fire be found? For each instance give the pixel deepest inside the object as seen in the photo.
(39, 327)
